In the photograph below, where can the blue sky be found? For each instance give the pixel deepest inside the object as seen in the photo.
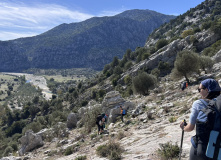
(25, 18)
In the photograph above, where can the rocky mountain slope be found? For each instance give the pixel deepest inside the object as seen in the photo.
(142, 135)
(88, 44)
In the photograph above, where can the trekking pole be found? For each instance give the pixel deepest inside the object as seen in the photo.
(181, 143)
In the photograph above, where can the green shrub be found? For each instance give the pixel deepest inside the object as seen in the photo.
(16, 127)
(106, 68)
(155, 72)
(186, 62)
(172, 119)
(115, 62)
(143, 82)
(216, 27)
(161, 43)
(52, 153)
(90, 118)
(68, 151)
(212, 50)
(187, 33)
(34, 126)
(128, 65)
(118, 70)
(84, 103)
(14, 145)
(81, 158)
(145, 56)
(93, 135)
(127, 79)
(206, 62)
(111, 150)
(8, 150)
(114, 82)
(206, 25)
(168, 151)
(197, 29)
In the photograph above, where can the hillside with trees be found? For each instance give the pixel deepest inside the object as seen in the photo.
(88, 44)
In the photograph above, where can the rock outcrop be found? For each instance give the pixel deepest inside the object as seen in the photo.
(72, 120)
(29, 142)
(168, 53)
(111, 104)
(217, 57)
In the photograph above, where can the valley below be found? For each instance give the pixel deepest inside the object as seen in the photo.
(38, 81)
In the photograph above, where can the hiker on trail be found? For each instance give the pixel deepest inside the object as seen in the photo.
(122, 113)
(209, 89)
(184, 85)
(100, 121)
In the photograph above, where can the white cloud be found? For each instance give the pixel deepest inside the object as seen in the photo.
(19, 20)
(110, 13)
(15, 35)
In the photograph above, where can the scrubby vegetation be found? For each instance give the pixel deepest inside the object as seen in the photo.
(112, 150)
(168, 151)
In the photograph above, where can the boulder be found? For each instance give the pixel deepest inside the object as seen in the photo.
(72, 120)
(111, 104)
(29, 142)
(44, 133)
(217, 57)
(138, 110)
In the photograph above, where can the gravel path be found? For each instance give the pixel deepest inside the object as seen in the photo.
(38, 81)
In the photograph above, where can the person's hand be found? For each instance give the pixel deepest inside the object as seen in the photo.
(183, 124)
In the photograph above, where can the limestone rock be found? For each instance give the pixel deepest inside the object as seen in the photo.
(72, 120)
(217, 56)
(11, 158)
(29, 142)
(111, 104)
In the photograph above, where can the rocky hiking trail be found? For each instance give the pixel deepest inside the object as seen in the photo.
(143, 135)
(141, 142)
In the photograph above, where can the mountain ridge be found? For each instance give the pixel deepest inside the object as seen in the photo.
(88, 44)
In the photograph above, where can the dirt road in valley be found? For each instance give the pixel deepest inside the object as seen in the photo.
(38, 81)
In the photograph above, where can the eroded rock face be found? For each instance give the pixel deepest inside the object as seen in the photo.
(111, 104)
(217, 57)
(168, 53)
(29, 142)
(11, 158)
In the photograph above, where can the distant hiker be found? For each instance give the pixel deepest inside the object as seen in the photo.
(122, 113)
(184, 85)
(209, 90)
(100, 121)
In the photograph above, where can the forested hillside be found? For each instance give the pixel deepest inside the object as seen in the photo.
(88, 44)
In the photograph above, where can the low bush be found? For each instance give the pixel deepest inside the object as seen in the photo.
(68, 151)
(172, 119)
(120, 135)
(168, 151)
(81, 158)
(112, 150)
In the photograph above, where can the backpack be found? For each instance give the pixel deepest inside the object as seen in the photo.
(208, 129)
(99, 117)
(124, 112)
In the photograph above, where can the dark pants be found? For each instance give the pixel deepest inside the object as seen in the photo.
(122, 117)
(100, 128)
(198, 153)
